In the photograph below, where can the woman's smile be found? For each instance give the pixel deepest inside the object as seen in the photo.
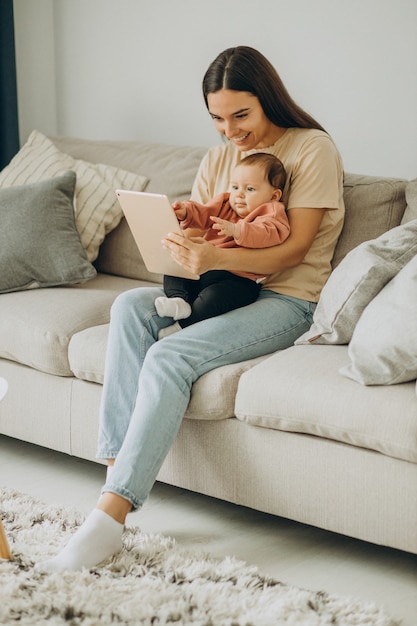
(239, 116)
(239, 140)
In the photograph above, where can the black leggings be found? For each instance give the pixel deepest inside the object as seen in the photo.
(216, 292)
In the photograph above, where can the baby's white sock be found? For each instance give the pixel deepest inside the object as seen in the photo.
(177, 308)
(99, 537)
(164, 332)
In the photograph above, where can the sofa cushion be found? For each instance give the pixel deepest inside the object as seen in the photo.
(97, 210)
(170, 169)
(120, 255)
(373, 206)
(36, 326)
(410, 212)
(356, 281)
(212, 395)
(39, 243)
(300, 390)
(383, 349)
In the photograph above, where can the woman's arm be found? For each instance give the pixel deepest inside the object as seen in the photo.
(199, 256)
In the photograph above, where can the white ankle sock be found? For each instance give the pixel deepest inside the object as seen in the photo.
(177, 308)
(99, 537)
(169, 330)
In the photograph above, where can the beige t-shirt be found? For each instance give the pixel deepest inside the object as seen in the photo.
(314, 180)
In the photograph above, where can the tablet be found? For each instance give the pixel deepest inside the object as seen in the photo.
(151, 217)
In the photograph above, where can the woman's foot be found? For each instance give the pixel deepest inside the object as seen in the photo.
(177, 308)
(97, 539)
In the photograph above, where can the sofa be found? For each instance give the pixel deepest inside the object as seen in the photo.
(320, 433)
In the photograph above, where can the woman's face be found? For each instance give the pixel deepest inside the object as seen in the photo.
(240, 117)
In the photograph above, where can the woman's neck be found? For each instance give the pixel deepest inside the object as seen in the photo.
(276, 133)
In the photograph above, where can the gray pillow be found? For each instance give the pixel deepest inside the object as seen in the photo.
(355, 282)
(39, 243)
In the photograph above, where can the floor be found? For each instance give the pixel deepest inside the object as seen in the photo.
(290, 552)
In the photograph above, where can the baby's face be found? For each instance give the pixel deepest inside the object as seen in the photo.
(249, 188)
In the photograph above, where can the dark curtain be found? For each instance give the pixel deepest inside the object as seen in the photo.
(9, 128)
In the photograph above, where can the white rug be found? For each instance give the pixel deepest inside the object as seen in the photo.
(153, 582)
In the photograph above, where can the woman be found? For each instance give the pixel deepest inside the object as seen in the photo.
(147, 382)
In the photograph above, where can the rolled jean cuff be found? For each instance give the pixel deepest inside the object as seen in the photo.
(106, 454)
(123, 493)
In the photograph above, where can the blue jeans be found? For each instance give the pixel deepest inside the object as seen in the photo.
(147, 383)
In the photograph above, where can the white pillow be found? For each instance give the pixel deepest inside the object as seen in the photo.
(364, 271)
(383, 349)
(97, 210)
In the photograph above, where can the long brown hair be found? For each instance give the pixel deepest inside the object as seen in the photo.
(245, 69)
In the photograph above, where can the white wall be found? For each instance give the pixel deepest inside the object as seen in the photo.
(35, 66)
(132, 69)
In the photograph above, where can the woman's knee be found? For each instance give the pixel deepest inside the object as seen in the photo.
(134, 301)
(172, 358)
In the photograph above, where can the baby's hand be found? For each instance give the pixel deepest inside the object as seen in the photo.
(180, 210)
(225, 227)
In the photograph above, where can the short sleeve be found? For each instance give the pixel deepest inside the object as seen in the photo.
(316, 174)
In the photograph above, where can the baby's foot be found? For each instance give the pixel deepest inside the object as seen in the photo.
(177, 308)
(99, 537)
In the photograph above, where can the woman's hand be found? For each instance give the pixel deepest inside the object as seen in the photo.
(193, 253)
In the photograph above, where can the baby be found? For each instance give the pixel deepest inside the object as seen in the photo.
(251, 216)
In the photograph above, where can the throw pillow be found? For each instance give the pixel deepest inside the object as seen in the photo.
(97, 210)
(410, 212)
(383, 349)
(39, 242)
(356, 281)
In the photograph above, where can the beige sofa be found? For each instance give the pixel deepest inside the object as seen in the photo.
(288, 434)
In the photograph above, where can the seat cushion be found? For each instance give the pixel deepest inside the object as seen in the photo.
(301, 390)
(37, 325)
(212, 395)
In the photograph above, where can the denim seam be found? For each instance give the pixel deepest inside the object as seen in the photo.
(124, 493)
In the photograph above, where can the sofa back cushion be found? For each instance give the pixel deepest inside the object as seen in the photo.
(373, 206)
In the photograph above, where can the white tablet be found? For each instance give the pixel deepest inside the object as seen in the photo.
(151, 217)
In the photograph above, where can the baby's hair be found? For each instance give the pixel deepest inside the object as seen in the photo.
(275, 172)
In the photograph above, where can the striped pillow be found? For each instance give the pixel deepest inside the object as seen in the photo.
(97, 210)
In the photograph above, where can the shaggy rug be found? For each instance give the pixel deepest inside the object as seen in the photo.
(153, 582)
